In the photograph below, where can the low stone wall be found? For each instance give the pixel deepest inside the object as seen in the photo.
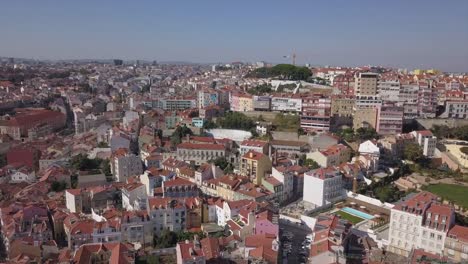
(429, 123)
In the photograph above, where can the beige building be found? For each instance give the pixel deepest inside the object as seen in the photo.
(365, 84)
(224, 187)
(255, 165)
(365, 117)
(456, 244)
(200, 153)
(332, 156)
(343, 106)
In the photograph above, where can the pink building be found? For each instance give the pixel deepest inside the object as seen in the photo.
(234, 102)
(266, 223)
(389, 120)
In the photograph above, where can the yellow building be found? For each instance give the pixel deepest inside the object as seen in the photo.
(343, 106)
(365, 84)
(433, 71)
(254, 165)
(365, 117)
(245, 103)
(418, 72)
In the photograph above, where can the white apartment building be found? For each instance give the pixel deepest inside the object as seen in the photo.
(287, 179)
(323, 186)
(134, 196)
(259, 146)
(104, 232)
(408, 98)
(419, 223)
(73, 200)
(427, 141)
(177, 104)
(389, 90)
(230, 210)
(456, 109)
(136, 227)
(167, 213)
(288, 103)
(368, 101)
(150, 181)
(200, 153)
(125, 164)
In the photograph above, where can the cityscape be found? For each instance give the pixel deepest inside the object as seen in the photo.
(288, 152)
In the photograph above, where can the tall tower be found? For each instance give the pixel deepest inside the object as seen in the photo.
(294, 58)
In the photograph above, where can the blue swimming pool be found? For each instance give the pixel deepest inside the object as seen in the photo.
(357, 213)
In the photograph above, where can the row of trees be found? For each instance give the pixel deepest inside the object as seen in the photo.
(361, 134)
(284, 122)
(81, 162)
(383, 189)
(224, 164)
(179, 133)
(236, 120)
(444, 131)
(169, 238)
(260, 89)
(59, 75)
(282, 71)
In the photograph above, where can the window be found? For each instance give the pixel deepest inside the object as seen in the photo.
(439, 237)
(432, 235)
(465, 249)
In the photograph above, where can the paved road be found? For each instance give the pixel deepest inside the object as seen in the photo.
(299, 235)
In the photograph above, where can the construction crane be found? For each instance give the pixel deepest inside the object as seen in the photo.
(293, 56)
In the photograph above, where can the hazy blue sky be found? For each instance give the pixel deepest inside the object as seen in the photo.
(400, 33)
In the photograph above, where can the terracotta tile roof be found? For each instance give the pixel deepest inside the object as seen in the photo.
(202, 139)
(273, 181)
(233, 225)
(83, 226)
(288, 143)
(425, 133)
(264, 253)
(121, 152)
(417, 204)
(132, 186)
(236, 205)
(188, 251)
(252, 190)
(459, 232)
(253, 155)
(254, 143)
(200, 146)
(323, 173)
(174, 163)
(119, 252)
(187, 172)
(231, 180)
(159, 202)
(259, 240)
(419, 256)
(74, 192)
(334, 150)
(439, 217)
(177, 182)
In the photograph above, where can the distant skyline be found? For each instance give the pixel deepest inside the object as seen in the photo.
(399, 33)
